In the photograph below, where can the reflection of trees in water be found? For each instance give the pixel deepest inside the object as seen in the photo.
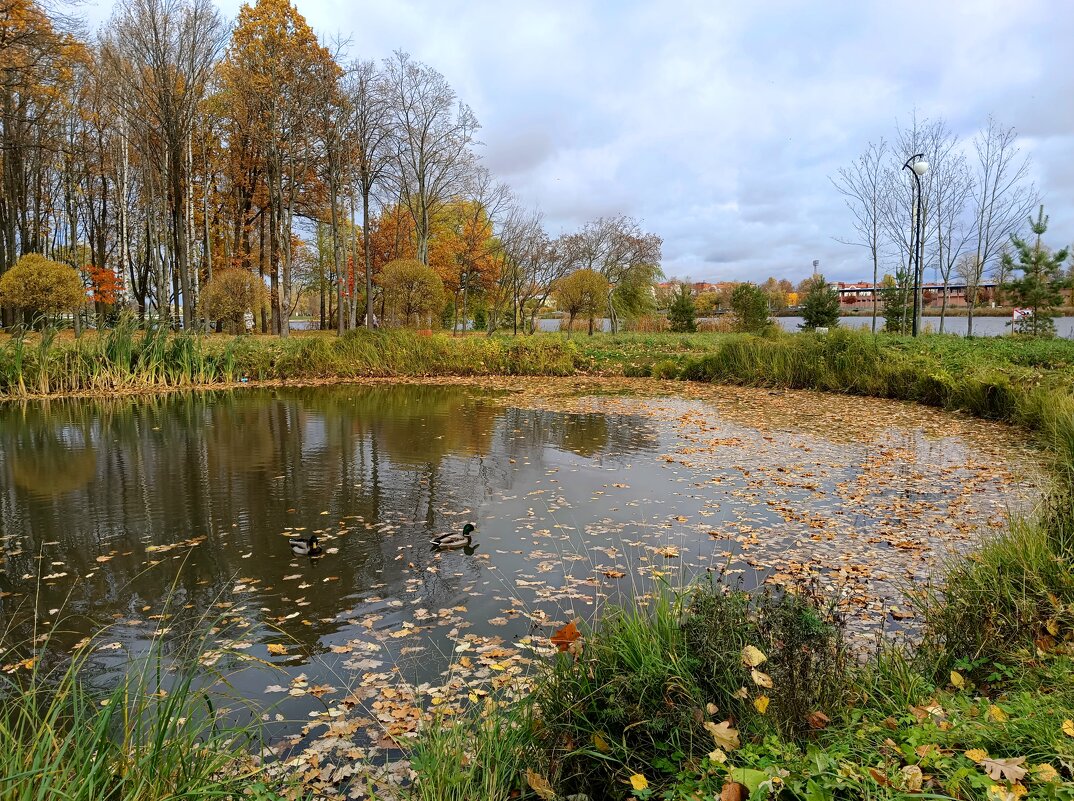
(586, 434)
(239, 468)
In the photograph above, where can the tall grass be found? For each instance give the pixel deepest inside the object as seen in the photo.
(126, 358)
(160, 733)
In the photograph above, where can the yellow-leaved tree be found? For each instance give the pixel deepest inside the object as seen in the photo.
(42, 287)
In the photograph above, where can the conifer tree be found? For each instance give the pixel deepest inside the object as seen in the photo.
(820, 308)
(1042, 279)
(682, 314)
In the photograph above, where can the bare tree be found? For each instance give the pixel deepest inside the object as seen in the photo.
(163, 52)
(368, 93)
(934, 140)
(624, 254)
(1000, 200)
(864, 191)
(432, 136)
(953, 231)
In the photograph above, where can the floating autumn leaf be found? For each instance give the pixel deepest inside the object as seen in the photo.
(957, 679)
(639, 782)
(752, 657)
(1004, 769)
(724, 735)
(613, 573)
(539, 784)
(563, 637)
(276, 648)
(1068, 728)
(761, 679)
(760, 703)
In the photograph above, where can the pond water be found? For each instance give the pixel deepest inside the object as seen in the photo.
(156, 513)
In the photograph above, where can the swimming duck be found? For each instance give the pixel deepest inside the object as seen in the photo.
(305, 546)
(454, 540)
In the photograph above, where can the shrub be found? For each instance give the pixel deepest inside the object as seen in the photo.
(41, 286)
(231, 294)
(414, 293)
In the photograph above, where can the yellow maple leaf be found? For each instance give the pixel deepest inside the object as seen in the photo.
(639, 782)
(1068, 728)
(752, 656)
(760, 703)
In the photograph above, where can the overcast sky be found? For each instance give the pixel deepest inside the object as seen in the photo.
(718, 124)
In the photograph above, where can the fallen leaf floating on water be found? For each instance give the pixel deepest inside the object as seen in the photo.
(276, 648)
(566, 635)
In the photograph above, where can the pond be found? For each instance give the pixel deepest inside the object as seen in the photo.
(155, 514)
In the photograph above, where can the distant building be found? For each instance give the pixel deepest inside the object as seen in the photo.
(860, 294)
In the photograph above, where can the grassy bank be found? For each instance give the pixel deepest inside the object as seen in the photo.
(665, 699)
(981, 708)
(123, 359)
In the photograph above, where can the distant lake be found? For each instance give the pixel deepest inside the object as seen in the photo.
(982, 326)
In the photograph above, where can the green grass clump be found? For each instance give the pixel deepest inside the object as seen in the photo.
(484, 756)
(637, 695)
(160, 733)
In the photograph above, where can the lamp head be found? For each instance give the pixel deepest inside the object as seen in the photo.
(921, 167)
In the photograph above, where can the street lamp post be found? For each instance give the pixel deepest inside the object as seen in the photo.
(917, 166)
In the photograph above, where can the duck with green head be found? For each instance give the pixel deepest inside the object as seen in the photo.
(453, 539)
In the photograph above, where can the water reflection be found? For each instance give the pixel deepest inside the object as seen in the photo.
(125, 492)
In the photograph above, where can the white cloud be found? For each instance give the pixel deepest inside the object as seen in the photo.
(719, 124)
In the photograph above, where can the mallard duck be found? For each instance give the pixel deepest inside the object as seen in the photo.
(454, 540)
(305, 546)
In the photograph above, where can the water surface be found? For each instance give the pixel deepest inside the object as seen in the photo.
(155, 513)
